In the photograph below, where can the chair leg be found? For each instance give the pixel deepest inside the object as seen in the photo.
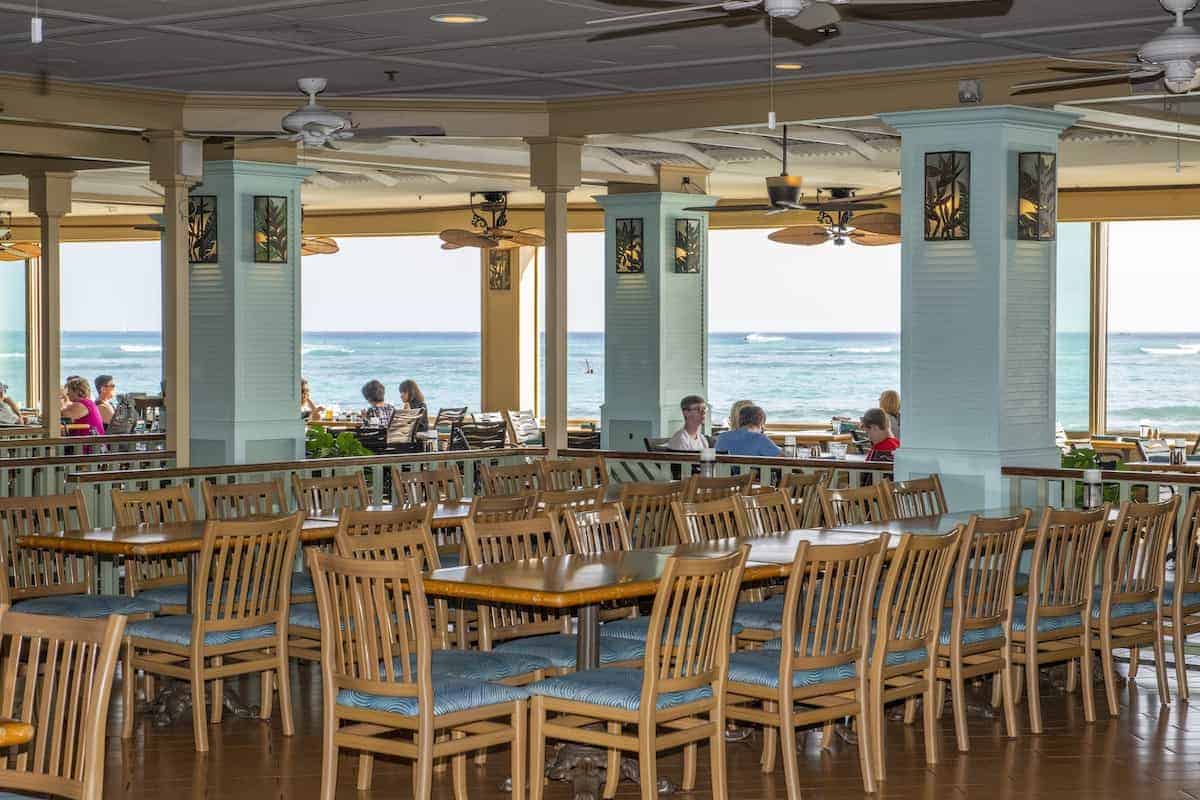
(958, 697)
(329, 757)
(128, 692)
(648, 762)
(1003, 679)
(716, 746)
(1072, 675)
(875, 714)
(998, 689)
(941, 698)
(217, 712)
(458, 767)
(285, 693)
(1085, 681)
(1018, 679)
(1110, 672)
(612, 776)
(266, 694)
(930, 721)
(520, 758)
(787, 741)
(910, 711)
(770, 738)
(537, 748)
(423, 766)
(1160, 664)
(1134, 661)
(1178, 640)
(865, 744)
(366, 771)
(1034, 690)
(199, 716)
(690, 751)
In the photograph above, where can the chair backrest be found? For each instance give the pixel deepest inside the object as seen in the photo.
(599, 530)
(383, 535)
(802, 488)
(558, 503)
(511, 479)
(247, 564)
(909, 612)
(648, 507)
(504, 508)
(573, 473)
(827, 605)
(173, 504)
(1187, 550)
(583, 440)
(984, 577)
(375, 629)
(766, 513)
(420, 486)
(919, 497)
(328, 496)
(1135, 554)
(1063, 568)
(688, 639)
(35, 572)
(238, 500)
(57, 675)
(505, 542)
(850, 506)
(405, 424)
(483, 435)
(450, 416)
(523, 427)
(698, 488)
(713, 519)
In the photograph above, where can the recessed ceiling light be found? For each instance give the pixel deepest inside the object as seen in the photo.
(459, 19)
(789, 65)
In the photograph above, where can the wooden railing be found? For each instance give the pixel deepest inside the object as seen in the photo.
(43, 447)
(22, 477)
(1063, 488)
(626, 467)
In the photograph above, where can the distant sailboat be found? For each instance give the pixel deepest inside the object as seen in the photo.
(587, 368)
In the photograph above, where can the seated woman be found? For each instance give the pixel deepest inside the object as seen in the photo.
(889, 401)
(78, 407)
(378, 413)
(411, 396)
(10, 412)
(307, 406)
(106, 397)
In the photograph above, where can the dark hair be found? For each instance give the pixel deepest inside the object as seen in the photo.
(373, 391)
(690, 400)
(415, 398)
(102, 381)
(751, 415)
(876, 417)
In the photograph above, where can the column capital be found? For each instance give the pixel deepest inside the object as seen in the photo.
(175, 158)
(50, 193)
(1018, 116)
(555, 162)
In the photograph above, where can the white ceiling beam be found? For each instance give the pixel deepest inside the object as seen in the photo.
(815, 133)
(1131, 122)
(762, 144)
(381, 178)
(655, 146)
(324, 181)
(617, 161)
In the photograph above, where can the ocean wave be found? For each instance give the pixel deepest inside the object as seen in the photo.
(759, 338)
(1177, 350)
(324, 348)
(141, 348)
(12, 355)
(864, 350)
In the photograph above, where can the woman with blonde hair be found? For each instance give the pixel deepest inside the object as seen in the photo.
(78, 406)
(889, 401)
(735, 412)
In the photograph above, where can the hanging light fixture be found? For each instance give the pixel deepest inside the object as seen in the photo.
(1037, 197)
(35, 25)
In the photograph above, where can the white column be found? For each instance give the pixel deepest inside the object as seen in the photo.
(33, 333)
(50, 199)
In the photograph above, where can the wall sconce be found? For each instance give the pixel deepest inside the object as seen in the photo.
(202, 229)
(947, 196)
(1037, 197)
(630, 247)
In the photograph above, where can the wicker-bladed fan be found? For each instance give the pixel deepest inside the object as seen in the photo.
(869, 230)
(318, 246)
(19, 251)
(491, 231)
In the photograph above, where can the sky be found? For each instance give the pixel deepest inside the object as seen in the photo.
(755, 284)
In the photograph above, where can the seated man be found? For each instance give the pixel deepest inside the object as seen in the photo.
(879, 430)
(690, 437)
(748, 439)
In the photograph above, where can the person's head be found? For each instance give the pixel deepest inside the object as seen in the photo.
(3, 390)
(106, 387)
(752, 417)
(411, 393)
(373, 392)
(694, 408)
(736, 410)
(303, 388)
(889, 401)
(78, 388)
(876, 425)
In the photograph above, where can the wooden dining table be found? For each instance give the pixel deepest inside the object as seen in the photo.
(942, 524)
(15, 732)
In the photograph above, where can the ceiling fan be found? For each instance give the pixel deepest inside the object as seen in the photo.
(1173, 55)
(314, 125)
(15, 251)
(804, 14)
(491, 231)
(318, 246)
(871, 230)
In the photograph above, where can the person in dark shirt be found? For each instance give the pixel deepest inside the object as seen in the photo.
(878, 428)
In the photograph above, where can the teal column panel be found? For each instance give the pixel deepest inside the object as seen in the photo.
(655, 321)
(244, 325)
(977, 347)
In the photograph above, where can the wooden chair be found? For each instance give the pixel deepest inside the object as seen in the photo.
(698, 488)
(1129, 612)
(1051, 622)
(57, 677)
(680, 685)
(766, 513)
(377, 680)
(511, 479)
(533, 631)
(712, 519)
(1182, 596)
(523, 428)
(318, 497)
(600, 530)
(558, 502)
(802, 489)
(426, 486)
(850, 506)
(242, 590)
(919, 497)
(974, 637)
(573, 473)
(816, 676)
(239, 500)
(909, 620)
(482, 435)
(43, 581)
(164, 579)
(504, 508)
(648, 508)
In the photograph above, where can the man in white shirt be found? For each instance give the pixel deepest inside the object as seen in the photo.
(690, 437)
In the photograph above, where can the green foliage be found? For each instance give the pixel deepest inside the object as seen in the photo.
(1085, 458)
(320, 443)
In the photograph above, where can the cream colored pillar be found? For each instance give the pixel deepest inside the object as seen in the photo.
(175, 164)
(554, 168)
(50, 199)
(33, 333)
(509, 340)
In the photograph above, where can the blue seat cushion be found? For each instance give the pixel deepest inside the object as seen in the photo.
(175, 594)
(449, 695)
(178, 630)
(491, 666)
(304, 615)
(450, 559)
(1122, 609)
(637, 628)
(1189, 598)
(615, 687)
(761, 668)
(1044, 624)
(559, 649)
(302, 584)
(765, 615)
(971, 635)
(87, 606)
(18, 796)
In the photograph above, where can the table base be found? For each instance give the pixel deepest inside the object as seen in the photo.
(586, 769)
(175, 699)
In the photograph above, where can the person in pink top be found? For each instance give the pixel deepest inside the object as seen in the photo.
(78, 407)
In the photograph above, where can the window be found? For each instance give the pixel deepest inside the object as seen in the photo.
(1073, 323)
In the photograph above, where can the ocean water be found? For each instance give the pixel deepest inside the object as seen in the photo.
(802, 376)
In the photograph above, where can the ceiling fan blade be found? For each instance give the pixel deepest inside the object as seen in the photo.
(725, 20)
(448, 246)
(801, 234)
(867, 198)
(10, 255)
(155, 228)
(912, 2)
(850, 204)
(463, 238)
(884, 224)
(525, 238)
(1087, 80)
(818, 15)
(1100, 62)
(867, 239)
(254, 140)
(19, 251)
(318, 246)
(650, 14)
(726, 209)
(362, 134)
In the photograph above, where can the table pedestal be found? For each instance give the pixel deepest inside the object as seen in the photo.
(173, 700)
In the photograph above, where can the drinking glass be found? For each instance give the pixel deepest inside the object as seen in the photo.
(838, 450)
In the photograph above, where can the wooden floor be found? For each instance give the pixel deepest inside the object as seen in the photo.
(1147, 753)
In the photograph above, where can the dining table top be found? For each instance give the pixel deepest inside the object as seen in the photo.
(134, 541)
(1190, 468)
(15, 732)
(942, 524)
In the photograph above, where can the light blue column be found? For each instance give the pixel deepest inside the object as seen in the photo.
(245, 326)
(977, 317)
(655, 322)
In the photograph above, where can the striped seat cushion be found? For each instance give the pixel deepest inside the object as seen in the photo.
(559, 649)
(765, 615)
(304, 615)
(302, 584)
(449, 696)
(1044, 624)
(637, 628)
(175, 594)
(971, 635)
(615, 687)
(761, 668)
(87, 606)
(178, 630)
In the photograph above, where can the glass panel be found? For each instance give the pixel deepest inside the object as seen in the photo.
(12, 328)
(1073, 321)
